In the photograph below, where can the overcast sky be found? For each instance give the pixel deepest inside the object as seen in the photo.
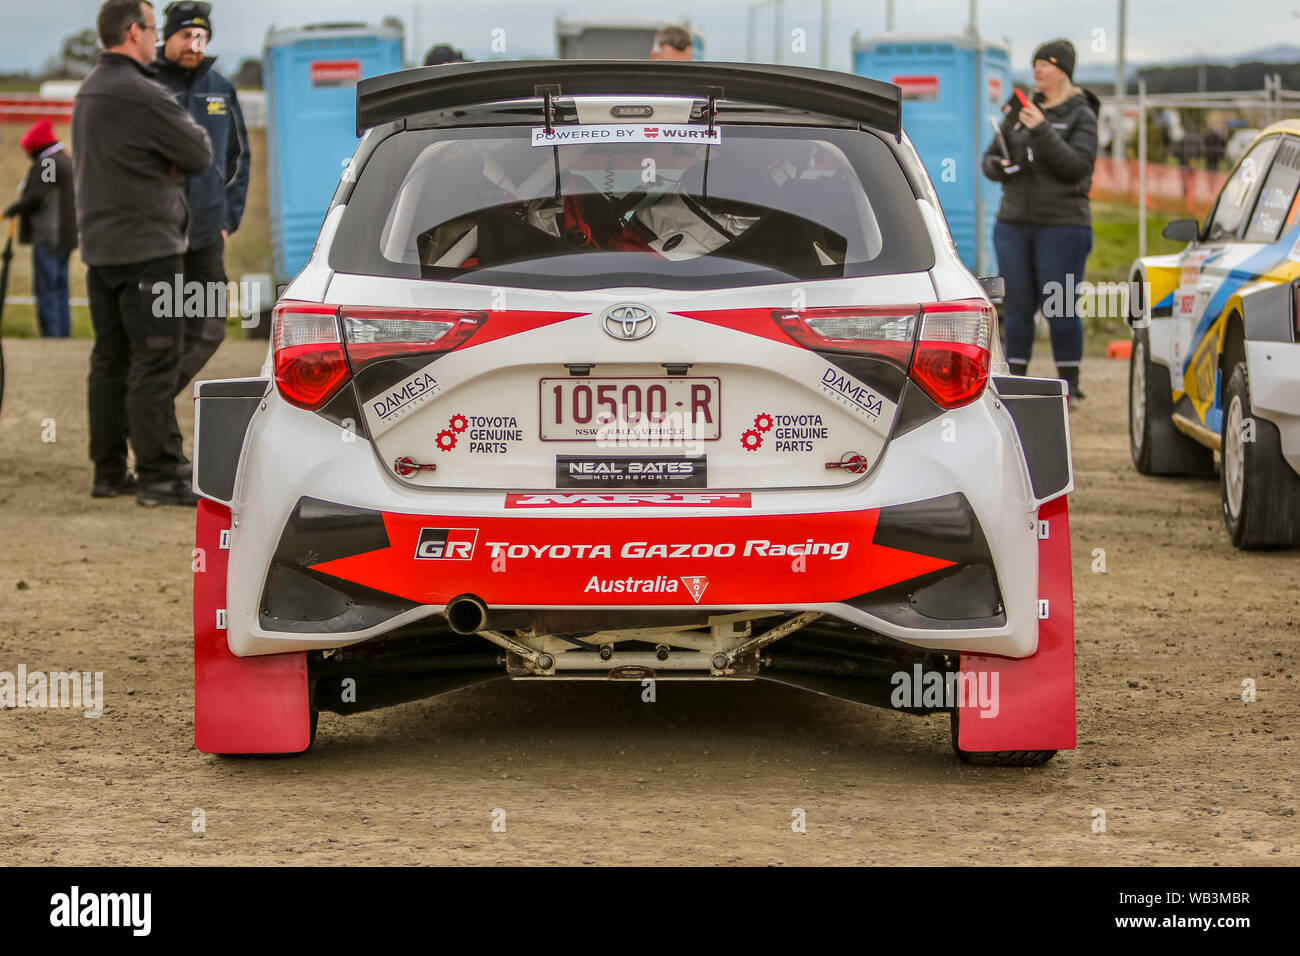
(1158, 30)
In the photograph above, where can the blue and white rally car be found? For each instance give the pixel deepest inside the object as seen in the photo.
(1216, 347)
(634, 371)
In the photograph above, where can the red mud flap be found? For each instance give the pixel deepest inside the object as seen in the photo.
(242, 705)
(1035, 694)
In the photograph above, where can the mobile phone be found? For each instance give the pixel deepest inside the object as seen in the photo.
(1015, 103)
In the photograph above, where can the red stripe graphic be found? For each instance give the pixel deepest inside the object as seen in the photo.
(500, 325)
(750, 321)
(747, 560)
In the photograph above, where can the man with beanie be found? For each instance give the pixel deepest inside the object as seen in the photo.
(441, 53)
(216, 196)
(47, 218)
(1043, 232)
(135, 146)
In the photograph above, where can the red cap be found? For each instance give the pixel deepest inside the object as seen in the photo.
(40, 135)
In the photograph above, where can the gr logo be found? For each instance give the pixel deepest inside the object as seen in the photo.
(446, 544)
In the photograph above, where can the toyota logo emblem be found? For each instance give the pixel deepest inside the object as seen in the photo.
(630, 322)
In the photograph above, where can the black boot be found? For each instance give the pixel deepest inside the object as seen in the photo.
(174, 491)
(113, 487)
(1070, 374)
(1018, 368)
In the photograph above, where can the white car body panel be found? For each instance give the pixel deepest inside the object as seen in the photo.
(310, 457)
(1275, 391)
(975, 450)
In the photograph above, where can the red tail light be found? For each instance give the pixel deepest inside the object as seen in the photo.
(886, 333)
(310, 366)
(943, 346)
(952, 355)
(372, 334)
(312, 361)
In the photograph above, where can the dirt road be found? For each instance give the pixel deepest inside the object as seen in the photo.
(1184, 770)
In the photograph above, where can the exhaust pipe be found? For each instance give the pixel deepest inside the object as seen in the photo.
(467, 615)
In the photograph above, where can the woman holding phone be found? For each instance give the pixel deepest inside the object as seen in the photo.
(1043, 155)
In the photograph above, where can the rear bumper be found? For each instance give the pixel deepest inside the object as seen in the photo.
(922, 565)
(937, 548)
(266, 704)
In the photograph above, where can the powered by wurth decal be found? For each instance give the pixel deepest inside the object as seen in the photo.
(743, 560)
(582, 135)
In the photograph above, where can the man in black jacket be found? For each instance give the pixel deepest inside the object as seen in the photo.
(135, 145)
(48, 220)
(216, 195)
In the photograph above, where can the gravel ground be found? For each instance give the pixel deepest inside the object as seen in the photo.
(1185, 771)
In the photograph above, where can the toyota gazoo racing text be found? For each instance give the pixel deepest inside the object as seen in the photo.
(1216, 347)
(609, 370)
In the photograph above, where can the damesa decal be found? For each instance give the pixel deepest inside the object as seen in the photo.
(394, 403)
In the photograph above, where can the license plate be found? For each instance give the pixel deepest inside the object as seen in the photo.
(631, 411)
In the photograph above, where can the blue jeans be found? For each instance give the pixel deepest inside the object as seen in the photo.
(50, 289)
(1042, 267)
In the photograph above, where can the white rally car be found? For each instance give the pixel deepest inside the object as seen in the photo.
(634, 371)
(1216, 348)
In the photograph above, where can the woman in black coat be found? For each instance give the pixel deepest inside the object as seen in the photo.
(1044, 228)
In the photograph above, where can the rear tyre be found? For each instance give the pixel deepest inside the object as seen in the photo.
(998, 758)
(1259, 491)
(1157, 447)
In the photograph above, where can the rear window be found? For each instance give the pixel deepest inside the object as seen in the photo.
(765, 205)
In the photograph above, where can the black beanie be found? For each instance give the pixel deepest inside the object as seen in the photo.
(187, 13)
(444, 53)
(1059, 53)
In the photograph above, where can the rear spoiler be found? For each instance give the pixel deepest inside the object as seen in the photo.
(394, 96)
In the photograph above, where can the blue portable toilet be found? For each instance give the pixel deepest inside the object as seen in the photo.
(952, 84)
(311, 75)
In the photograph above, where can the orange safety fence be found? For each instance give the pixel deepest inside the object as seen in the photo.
(1171, 189)
(28, 108)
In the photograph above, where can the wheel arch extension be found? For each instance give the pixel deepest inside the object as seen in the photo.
(1160, 273)
(1232, 337)
(1264, 314)
(1137, 282)
(223, 411)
